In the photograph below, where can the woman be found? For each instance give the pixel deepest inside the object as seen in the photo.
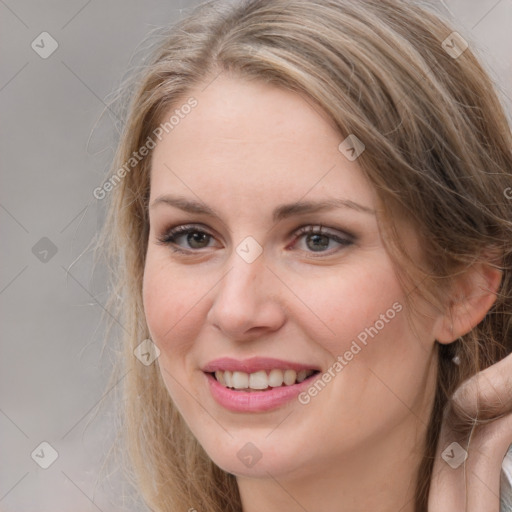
(313, 248)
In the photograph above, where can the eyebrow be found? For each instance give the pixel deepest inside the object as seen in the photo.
(281, 212)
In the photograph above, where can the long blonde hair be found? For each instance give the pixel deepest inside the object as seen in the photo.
(437, 150)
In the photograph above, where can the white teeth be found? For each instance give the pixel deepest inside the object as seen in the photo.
(290, 376)
(261, 380)
(240, 380)
(275, 378)
(258, 380)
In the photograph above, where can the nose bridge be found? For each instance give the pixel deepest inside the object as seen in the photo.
(241, 302)
(247, 268)
(241, 284)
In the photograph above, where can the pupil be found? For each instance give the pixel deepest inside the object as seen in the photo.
(316, 238)
(196, 237)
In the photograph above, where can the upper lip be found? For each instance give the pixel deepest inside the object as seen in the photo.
(253, 364)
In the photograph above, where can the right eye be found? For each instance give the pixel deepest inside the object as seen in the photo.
(195, 238)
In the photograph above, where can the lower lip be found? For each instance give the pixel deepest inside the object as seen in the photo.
(255, 401)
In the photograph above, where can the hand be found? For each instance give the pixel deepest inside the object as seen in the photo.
(474, 486)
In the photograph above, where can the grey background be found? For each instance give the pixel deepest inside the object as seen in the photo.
(56, 143)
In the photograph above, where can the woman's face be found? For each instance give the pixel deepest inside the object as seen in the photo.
(254, 289)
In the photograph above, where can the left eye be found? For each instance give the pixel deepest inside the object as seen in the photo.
(317, 240)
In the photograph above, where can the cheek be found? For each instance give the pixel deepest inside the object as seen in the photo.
(366, 330)
(173, 310)
(347, 304)
(172, 306)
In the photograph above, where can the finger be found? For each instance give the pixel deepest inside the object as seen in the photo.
(483, 469)
(446, 488)
(488, 393)
(473, 485)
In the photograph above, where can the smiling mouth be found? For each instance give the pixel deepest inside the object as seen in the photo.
(263, 380)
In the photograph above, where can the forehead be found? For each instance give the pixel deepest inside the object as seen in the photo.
(255, 139)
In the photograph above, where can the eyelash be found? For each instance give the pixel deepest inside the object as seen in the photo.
(170, 237)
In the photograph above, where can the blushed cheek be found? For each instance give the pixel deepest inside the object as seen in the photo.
(172, 312)
(350, 309)
(382, 379)
(371, 345)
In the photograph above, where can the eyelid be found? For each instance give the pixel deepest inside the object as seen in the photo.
(188, 227)
(324, 230)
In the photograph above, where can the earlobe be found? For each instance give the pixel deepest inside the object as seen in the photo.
(473, 296)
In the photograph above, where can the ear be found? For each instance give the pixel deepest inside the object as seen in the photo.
(473, 294)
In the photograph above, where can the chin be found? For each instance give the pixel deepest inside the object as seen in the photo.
(257, 458)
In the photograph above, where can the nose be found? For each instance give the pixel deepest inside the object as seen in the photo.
(247, 301)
